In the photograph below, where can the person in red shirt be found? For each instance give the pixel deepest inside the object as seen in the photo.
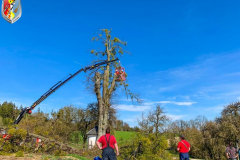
(108, 144)
(183, 148)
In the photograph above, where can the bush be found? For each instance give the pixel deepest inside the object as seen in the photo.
(144, 147)
(18, 133)
(8, 147)
(19, 154)
(60, 153)
(4, 153)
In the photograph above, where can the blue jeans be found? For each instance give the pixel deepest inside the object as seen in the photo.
(184, 156)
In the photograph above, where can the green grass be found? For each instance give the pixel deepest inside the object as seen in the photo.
(76, 145)
(123, 134)
(19, 154)
(52, 157)
(2, 153)
(77, 156)
(173, 153)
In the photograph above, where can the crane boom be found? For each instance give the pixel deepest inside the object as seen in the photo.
(55, 87)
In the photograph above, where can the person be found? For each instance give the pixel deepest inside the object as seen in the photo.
(231, 152)
(108, 144)
(183, 148)
(239, 153)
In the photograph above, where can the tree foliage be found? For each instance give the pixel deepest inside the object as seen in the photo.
(145, 146)
(8, 112)
(209, 139)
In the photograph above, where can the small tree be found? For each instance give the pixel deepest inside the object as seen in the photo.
(158, 119)
(230, 122)
(154, 122)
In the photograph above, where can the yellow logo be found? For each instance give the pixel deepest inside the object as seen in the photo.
(11, 1)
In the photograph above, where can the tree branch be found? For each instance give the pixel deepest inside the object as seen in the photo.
(97, 86)
(133, 96)
(111, 89)
(105, 86)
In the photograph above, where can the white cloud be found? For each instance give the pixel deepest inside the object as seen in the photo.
(148, 105)
(175, 117)
(184, 103)
(238, 98)
(133, 108)
(129, 120)
(172, 110)
(217, 108)
(177, 103)
(17, 102)
(164, 89)
(186, 97)
(163, 102)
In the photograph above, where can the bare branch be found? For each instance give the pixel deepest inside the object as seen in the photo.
(134, 97)
(112, 86)
(97, 86)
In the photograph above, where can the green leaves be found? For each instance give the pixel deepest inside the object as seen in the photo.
(121, 52)
(144, 146)
(113, 46)
(95, 39)
(116, 40)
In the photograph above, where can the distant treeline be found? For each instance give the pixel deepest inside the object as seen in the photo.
(8, 113)
(209, 139)
(67, 124)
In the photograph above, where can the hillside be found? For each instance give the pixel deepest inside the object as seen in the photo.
(125, 135)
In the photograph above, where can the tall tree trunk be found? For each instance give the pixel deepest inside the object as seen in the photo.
(100, 104)
(103, 119)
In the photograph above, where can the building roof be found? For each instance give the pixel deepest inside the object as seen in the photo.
(93, 131)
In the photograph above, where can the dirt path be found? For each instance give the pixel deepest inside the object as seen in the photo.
(48, 157)
(36, 157)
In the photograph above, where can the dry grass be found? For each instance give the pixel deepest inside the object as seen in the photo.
(36, 157)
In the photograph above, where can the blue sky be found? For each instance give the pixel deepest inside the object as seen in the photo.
(185, 54)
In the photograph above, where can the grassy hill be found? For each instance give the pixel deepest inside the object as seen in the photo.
(123, 134)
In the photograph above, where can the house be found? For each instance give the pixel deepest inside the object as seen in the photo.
(92, 137)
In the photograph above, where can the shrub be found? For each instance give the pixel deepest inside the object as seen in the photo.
(19, 154)
(144, 147)
(60, 153)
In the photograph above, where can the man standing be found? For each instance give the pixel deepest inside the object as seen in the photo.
(239, 153)
(183, 148)
(108, 144)
(231, 152)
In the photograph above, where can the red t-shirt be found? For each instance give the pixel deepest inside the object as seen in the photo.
(182, 148)
(102, 140)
